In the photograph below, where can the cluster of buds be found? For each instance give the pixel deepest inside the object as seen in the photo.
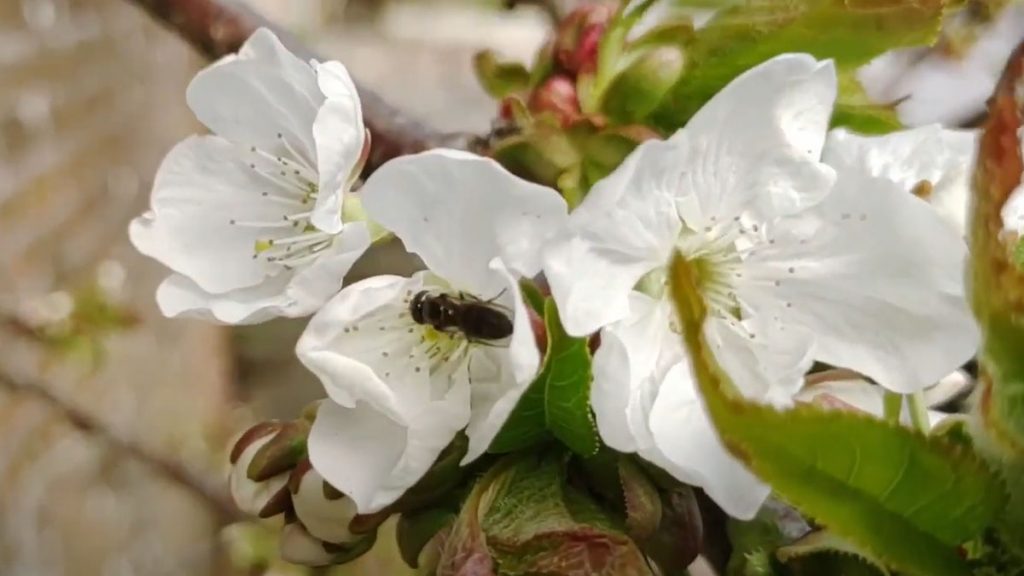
(271, 475)
(586, 101)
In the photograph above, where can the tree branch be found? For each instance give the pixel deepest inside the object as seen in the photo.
(219, 27)
(215, 497)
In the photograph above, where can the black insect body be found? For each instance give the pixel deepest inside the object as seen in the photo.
(477, 319)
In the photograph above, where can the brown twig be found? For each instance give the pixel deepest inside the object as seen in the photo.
(217, 499)
(219, 27)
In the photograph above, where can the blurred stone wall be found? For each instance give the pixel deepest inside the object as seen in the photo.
(91, 97)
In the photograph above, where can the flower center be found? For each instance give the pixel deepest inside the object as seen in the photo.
(290, 241)
(717, 261)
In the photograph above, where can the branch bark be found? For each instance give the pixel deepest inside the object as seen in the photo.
(219, 27)
(215, 496)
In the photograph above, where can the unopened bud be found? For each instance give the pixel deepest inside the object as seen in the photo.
(254, 496)
(324, 511)
(579, 36)
(557, 96)
(298, 546)
(642, 84)
(281, 452)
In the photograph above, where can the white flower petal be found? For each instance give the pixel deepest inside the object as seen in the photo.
(944, 158)
(251, 496)
(355, 359)
(755, 145)
(499, 376)
(624, 374)
(374, 458)
(625, 227)
(323, 518)
(458, 211)
(876, 275)
(367, 352)
(1012, 213)
(695, 454)
(298, 546)
(765, 360)
(289, 294)
(203, 184)
(263, 92)
(753, 148)
(339, 135)
(862, 395)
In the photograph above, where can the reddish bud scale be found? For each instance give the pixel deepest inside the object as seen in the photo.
(557, 96)
(579, 37)
(251, 435)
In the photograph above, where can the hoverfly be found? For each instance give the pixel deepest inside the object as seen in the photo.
(479, 320)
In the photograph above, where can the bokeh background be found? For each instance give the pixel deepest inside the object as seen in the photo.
(91, 97)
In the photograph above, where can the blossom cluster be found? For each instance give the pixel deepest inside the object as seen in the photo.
(812, 245)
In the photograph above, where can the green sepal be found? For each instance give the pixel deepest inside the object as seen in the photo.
(500, 79)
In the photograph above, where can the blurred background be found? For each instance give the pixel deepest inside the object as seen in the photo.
(91, 97)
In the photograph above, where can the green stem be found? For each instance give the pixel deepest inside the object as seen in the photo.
(892, 404)
(919, 412)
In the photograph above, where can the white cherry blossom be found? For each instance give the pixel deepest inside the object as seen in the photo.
(797, 261)
(402, 389)
(250, 218)
(931, 162)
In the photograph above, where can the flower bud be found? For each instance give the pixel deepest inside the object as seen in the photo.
(579, 36)
(299, 547)
(557, 96)
(641, 85)
(323, 511)
(256, 496)
(281, 453)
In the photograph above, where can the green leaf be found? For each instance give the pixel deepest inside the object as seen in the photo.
(827, 542)
(854, 110)
(741, 37)
(558, 401)
(500, 79)
(754, 541)
(903, 497)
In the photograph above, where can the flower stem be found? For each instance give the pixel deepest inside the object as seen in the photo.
(892, 404)
(918, 412)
